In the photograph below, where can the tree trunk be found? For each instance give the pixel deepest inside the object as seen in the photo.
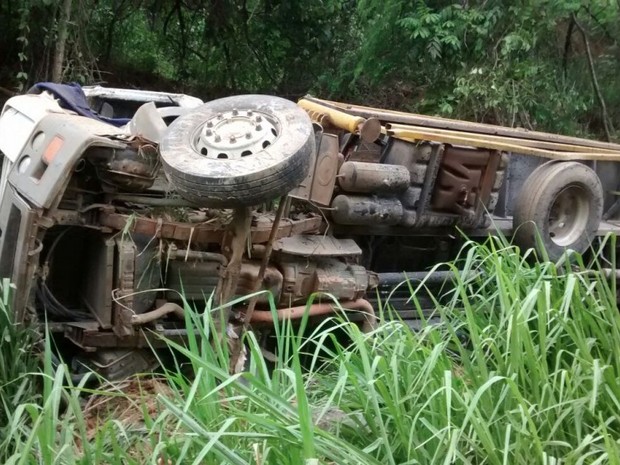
(597, 89)
(61, 42)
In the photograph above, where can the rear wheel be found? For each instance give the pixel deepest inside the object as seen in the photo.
(562, 203)
(238, 151)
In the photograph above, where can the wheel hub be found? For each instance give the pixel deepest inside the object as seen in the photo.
(236, 134)
(568, 216)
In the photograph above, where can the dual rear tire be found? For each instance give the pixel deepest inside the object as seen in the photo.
(560, 207)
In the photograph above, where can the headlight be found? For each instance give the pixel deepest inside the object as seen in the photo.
(15, 130)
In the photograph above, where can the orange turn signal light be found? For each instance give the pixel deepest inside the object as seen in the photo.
(52, 149)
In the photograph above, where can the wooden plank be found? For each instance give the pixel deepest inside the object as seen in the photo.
(457, 125)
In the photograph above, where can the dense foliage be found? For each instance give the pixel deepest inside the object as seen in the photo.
(550, 64)
(522, 368)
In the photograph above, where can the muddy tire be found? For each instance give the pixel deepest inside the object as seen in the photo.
(238, 151)
(562, 204)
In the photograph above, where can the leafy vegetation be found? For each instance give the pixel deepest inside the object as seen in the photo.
(523, 368)
(550, 64)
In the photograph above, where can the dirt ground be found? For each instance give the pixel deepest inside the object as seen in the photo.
(127, 402)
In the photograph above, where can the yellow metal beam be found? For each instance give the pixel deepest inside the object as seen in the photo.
(552, 146)
(391, 116)
(410, 134)
(369, 129)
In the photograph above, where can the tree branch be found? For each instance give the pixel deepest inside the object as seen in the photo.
(567, 45)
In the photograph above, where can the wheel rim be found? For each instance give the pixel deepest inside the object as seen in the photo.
(568, 217)
(236, 134)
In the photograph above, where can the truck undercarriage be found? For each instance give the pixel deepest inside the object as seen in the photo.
(109, 233)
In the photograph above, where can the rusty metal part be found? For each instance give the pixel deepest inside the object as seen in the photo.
(250, 282)
(234, 245)
(196, 280)
(400, 152)
(115, 364)
(410, 197)
(366, 210)
(151, 201)
(424, 162)
(265, 260)
(136, 271)
(303, 190)
(240, 228)
(465, 179)
(303, 277)
(186, 254)
(134, 167)
(193, 280)
(257, 251)
(488, 184)
(426, 182)
(369, 129)
(464, 126)
(317, 246)
(296, 313)
(63, 217)
(158, 313)
(318, 186)
(326, 168)
(345, 281)
(359, 177)
(204, 234)
(362, 151)
(88, 337)
(125, 273)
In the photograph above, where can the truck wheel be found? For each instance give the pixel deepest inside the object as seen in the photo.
(563, 203)
(238, 151)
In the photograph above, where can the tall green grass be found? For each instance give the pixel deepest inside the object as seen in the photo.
(522, 369)
(18, 363)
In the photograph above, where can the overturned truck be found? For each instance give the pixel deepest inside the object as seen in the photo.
(118, 208)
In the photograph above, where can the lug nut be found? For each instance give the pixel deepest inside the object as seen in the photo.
(250, 112)
(259, 127)
(235, 112)
(248, 135)
(217, 138)
(259, 118)
(219, 116)
(209, 124)
(233, 139)
(209, 132)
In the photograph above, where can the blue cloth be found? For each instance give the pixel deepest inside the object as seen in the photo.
(72, 97)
